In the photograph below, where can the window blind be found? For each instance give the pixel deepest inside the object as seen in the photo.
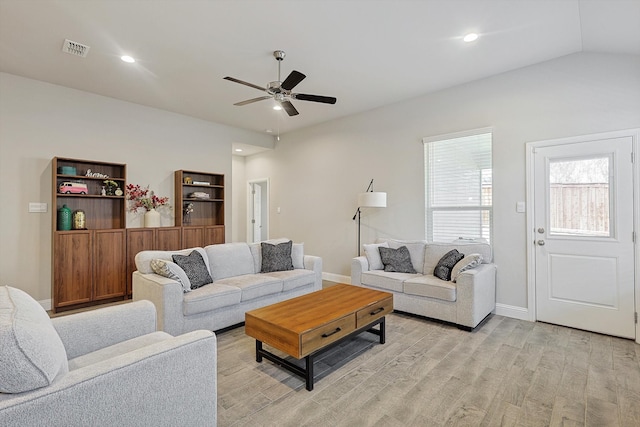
(458, 187)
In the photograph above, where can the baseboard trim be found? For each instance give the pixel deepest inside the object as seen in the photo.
(46, 304)
(512, 311)
(338, 278)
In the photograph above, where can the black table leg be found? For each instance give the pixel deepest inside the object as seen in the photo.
(382, 331)
(309, 372)
(258, 351)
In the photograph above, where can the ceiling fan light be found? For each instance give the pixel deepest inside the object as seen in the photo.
(277, 107)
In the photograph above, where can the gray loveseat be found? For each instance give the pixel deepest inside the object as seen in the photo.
(104, 367)
(465, 302)
(238, 285)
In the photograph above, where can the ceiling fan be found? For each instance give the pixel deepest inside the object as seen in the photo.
(281, 90)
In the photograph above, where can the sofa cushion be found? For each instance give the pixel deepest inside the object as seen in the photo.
(293, 279)
(434, 251)
(468, 262)
(229, 259)
(112, 351)
(445, 265)
(143, 259)
(209, 298)
(254, 285)
(416, 251)
(32, 354)
(386, 280)
(372, 252)
(396, 260)
(430, 286)
(195, 268)
(171, 270)
(276, 257)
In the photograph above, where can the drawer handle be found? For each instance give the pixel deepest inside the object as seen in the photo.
(373, 313)
(331, 333)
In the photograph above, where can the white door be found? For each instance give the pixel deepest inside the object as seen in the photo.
(583, 216)
(256, 191)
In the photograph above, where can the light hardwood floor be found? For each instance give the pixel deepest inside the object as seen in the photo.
(508, 372)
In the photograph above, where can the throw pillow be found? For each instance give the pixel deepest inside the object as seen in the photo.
(446, 264)
(397, 260)
(173, 271)
(373, 255)
(276, 257)
(297, 255)
(195, 268)
(32, 354)
(468, 262)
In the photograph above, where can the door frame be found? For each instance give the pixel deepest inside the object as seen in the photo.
(267, 189)
(531, 253)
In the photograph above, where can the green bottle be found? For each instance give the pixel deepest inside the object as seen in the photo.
(64, 218)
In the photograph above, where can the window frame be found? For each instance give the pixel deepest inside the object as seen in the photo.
(428, 189)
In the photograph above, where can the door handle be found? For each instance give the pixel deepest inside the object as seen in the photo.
(540, 242)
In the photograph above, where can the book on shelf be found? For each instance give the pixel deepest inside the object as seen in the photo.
(201, 183)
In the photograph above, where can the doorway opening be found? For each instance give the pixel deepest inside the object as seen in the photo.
(258, 210)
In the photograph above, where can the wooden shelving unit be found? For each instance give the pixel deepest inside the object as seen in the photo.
(88, 264)
(205, 225)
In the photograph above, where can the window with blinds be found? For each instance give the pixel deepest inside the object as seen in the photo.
(458, 186)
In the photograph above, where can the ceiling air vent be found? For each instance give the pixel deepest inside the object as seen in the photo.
(75, 48)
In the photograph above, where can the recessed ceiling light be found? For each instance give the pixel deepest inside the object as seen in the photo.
(268, 130)
(239, 150)
(127, 58)
(470, 37)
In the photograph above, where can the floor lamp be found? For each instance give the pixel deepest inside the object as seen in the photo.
(369, 199)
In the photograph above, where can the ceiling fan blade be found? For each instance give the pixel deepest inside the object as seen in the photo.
(289, 108)
(314, 98)
(292, 80)
(231, 79)
(250, 101)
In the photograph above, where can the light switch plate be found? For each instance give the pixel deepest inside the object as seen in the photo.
(37, 207)
(521, 207)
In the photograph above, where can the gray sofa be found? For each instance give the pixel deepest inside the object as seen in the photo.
(465, 302)
(238, 285)
(102, 367)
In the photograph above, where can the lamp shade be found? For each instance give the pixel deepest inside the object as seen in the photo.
(372, 199)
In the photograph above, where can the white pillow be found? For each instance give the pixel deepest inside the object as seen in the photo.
(468, 262)
(32, 354)
(372, 253)
(297, 255)
(171, 270)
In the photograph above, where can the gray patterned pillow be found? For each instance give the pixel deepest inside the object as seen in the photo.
(195, 268)
(276, 257)
(398, 260)
(171, 270)
(446, 264)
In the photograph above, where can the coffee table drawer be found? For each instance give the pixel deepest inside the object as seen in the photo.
(374, 312)
(326, 334)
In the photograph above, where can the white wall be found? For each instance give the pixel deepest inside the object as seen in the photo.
(239, 200)
(39, 121)
(316, 173)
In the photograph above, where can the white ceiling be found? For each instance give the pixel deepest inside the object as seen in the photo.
(366, 53)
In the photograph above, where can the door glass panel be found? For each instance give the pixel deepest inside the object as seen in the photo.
(579, 197)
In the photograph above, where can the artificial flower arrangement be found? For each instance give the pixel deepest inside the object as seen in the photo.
(144, 198)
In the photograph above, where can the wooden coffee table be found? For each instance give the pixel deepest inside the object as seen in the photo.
(305, 326)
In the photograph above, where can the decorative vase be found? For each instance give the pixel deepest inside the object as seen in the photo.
(152, 218)
(79, 220)
(64, 218)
